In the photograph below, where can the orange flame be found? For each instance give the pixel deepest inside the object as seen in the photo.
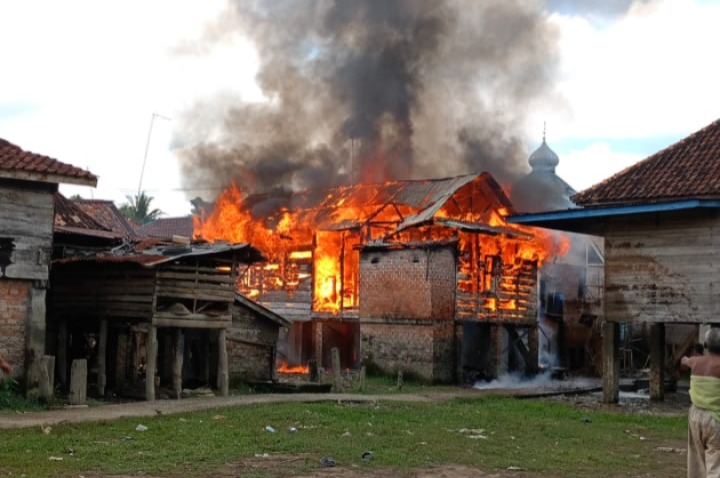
(284, 367)
(318, 244)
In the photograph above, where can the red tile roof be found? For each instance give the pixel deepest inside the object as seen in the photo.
(106, 213)
(688, 169)
(167, 227)
(16, 163)
(70, 219)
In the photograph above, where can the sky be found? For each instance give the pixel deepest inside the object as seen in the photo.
(101, 85)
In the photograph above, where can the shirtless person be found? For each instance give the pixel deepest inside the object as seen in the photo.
(704, 416)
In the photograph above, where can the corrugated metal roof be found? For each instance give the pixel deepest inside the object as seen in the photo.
(262, 310)
(157, 255)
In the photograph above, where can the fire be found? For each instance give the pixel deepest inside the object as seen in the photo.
(312, 241)
(283, 367)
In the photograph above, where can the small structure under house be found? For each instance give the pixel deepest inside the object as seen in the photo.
(147, 317)
(252, 341)
(659, 220)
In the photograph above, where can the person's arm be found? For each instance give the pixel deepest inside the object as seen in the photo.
(687, 362)
(6, 367)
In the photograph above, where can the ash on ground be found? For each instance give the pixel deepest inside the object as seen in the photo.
(674, 403)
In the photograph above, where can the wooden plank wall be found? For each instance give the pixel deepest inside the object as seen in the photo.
(103, 290)
(662, 268)
(27, 221)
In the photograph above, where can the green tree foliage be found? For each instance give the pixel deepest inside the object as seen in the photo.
(137, 209)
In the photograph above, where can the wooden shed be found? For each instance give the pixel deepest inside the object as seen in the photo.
(28, 184)
(150, 316)
(253, 340)
(660, 222)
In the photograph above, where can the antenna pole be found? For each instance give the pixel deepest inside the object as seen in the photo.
(147, 147)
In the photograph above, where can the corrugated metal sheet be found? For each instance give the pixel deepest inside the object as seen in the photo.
(161, 254)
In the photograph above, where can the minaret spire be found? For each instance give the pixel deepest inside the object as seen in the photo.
(544, 129)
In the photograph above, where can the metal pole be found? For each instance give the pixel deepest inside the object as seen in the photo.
(147, 147)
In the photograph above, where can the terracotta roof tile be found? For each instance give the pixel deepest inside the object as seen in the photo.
(687, 169)
(167, 227)
(106, 213)
(16, 163)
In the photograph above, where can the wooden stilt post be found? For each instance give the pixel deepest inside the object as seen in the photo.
(61, 359)
(223, 369)
(500, 352)
(611, 362)
(102, 358)
(151, 349)
(657, 362)
(337, 379)
(533, 360)
(178, 362)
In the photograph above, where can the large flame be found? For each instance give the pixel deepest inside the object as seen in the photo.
(317, 245)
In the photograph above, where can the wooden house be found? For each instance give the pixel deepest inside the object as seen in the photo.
(328, 248)
(28, 184)
(659, 220)
(147, 316)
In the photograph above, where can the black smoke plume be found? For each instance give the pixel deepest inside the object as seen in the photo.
(369, 90)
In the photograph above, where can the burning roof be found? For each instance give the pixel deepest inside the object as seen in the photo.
(315, 235)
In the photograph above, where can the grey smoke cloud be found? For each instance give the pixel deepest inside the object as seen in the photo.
(373, 90)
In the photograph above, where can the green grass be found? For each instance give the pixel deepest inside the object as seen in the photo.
(538, 436)
(11, 398)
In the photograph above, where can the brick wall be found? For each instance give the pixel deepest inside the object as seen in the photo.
(424, 349)
(14, 304)
(407, 283)
(407, 307)
(248, 362)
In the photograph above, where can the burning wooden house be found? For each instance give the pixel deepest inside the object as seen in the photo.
(658, 219)
(325, 249)
(147, 316)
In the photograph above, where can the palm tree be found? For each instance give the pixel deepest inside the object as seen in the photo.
(137, 209)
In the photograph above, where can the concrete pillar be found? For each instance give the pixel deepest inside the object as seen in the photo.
(78, 382)
(657, 362)
(611, 362)
(47, 378)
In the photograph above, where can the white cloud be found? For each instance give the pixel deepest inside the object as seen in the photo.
(585, 167)
(653, 72)
(82, 79)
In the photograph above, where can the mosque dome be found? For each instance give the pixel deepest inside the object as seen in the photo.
(544, 158)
